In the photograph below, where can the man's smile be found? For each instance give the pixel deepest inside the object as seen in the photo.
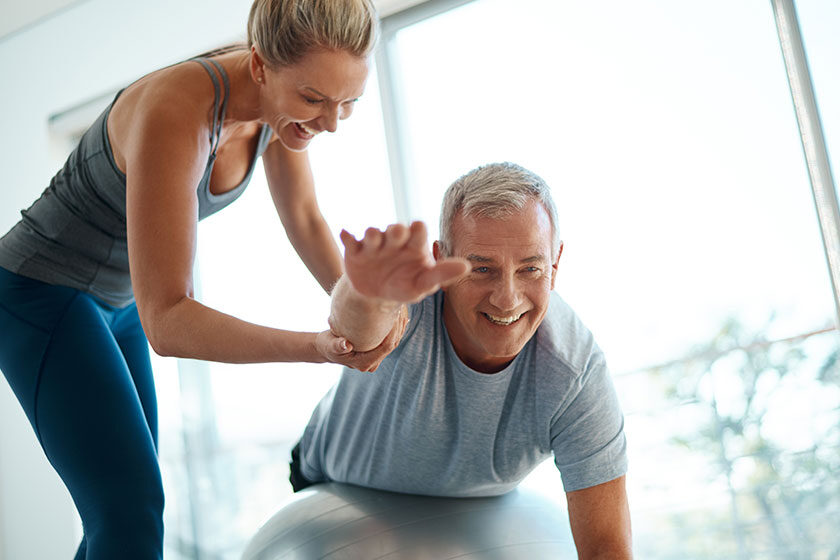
(504, 320)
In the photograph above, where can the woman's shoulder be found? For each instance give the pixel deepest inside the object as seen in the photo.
(176, 101)
(181, 89)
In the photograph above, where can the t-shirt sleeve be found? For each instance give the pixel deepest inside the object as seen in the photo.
(415, 315)
(587, 434)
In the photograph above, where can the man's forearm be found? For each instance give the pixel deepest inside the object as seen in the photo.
(384, 272)
(619, 551)
(600, 520)
(362, 320)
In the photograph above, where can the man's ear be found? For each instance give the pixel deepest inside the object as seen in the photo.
(554, 265)
(436, 251)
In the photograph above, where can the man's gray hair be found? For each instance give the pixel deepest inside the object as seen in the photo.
(495, 190)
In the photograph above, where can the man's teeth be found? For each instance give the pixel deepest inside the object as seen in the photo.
(503, 320)
(307, 130)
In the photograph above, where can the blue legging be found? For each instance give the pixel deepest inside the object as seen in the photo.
(81, 371)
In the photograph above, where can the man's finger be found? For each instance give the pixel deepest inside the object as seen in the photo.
(396, 235)
(444, 272)
(351, 246)
(418, 235)
(372, 240)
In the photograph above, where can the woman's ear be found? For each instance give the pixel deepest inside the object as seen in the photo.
(257, 65)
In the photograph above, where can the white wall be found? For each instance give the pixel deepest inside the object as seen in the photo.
(81, 53)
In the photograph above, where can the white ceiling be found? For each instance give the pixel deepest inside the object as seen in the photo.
(388, 7)
(18, 14)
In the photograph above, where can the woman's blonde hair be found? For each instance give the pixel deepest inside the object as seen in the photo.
(285, 30)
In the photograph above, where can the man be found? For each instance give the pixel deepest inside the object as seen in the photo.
(494, 372)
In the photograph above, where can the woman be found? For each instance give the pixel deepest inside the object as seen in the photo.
(109, 247)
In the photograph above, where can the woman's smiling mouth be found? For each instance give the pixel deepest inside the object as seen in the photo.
(305, 131)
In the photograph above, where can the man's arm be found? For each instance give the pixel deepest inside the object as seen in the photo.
(362, 320)
(384, 272)
(600, 520)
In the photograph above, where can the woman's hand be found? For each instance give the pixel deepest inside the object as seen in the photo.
(338, 350)
(396, 265)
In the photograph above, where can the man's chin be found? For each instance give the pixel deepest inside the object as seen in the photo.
(505, 340)
(504, 351)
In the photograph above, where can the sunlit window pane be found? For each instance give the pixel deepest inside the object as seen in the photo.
(692, 248)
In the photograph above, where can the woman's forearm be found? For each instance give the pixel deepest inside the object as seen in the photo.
(314, 243)
(190, 329)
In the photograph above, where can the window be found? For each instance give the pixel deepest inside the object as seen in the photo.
(691, 245)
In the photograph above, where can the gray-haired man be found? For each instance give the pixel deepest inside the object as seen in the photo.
(494, 372)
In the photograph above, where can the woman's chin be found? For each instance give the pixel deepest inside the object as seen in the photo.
(293, 142)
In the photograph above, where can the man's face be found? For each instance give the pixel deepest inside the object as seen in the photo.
(496, 308)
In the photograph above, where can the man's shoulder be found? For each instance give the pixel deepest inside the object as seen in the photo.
(562, 337)
(423, 317)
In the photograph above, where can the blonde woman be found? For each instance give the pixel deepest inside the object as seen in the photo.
(102, 261)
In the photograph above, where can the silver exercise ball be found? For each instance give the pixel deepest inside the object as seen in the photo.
(342, 522)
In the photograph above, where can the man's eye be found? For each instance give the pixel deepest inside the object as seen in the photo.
(481, 269)
(312, 101)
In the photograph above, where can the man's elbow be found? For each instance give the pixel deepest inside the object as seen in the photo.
(361, 341)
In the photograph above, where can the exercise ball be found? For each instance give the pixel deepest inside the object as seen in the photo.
(343, 522)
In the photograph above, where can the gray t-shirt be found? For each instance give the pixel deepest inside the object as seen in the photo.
(425, 423)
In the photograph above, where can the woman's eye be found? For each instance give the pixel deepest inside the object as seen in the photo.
(311, 101)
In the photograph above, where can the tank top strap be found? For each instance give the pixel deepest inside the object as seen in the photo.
(218, 111)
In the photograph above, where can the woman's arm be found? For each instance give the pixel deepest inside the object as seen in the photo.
(293, 191)
(163, 145)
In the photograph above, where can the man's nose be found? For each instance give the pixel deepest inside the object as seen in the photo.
(506, 295)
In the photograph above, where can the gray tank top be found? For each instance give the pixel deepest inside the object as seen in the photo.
(75, 233)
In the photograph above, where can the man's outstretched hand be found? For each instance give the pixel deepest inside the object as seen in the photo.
(396, 265)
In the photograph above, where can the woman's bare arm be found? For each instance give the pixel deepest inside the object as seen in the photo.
(293, 191)
(164, 147)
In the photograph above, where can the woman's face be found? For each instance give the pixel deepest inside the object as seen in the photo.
(310, 96)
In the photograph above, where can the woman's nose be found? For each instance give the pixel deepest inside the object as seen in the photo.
(329, 120)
